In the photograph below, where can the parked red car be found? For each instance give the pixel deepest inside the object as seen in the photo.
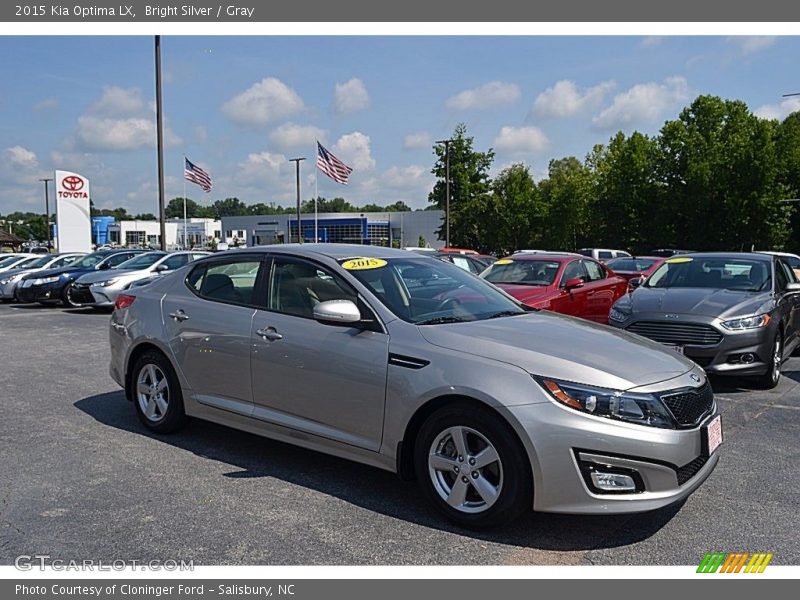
(564, 283)
(635, 267)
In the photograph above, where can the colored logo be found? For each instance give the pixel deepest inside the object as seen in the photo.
(73, 183)
(738, 562)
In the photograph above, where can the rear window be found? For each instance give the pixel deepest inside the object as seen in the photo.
(604, 254)
(631, 264)
(522, 272)
(226, 282)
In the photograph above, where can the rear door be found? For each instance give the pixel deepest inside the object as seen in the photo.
(789, 301)
(571, 302)
(208, 320)
(601, 291)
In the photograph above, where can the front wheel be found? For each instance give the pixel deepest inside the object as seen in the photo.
(772, 376)
(157, 394)
(471, 466)
(66, 297)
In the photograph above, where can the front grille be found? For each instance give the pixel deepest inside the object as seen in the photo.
(680, 334)
(687, 471)
(80, 294)
(690, 406)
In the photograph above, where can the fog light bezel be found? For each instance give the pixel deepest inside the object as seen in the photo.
(588, 467)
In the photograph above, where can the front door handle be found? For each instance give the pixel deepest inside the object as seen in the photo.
(178, 315)
(269, 334)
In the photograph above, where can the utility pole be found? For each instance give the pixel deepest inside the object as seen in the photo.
(47, 212)
(447, 190)
(160, 138)
(296, 161)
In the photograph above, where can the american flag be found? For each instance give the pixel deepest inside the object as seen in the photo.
(196, 175)
(332, 166)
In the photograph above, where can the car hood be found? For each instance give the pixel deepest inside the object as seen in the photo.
(697, 301)
(95, 276)
(562, 347)
(13, 272)
(526, 293)
(62, 270)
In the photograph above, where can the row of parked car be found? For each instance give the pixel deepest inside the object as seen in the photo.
(80, 279)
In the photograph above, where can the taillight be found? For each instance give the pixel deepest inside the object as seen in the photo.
(123, 301)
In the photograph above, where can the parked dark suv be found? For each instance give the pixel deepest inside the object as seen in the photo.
(52, 286)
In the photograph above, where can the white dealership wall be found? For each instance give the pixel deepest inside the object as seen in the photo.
(73, 216)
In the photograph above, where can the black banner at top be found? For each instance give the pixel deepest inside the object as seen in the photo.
(453, 11)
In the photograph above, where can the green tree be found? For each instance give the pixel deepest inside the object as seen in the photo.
(174, 209)
(787, 142)
(566, 194)
(145, 217)
(514, 213)
(469, 188)
(230, 207)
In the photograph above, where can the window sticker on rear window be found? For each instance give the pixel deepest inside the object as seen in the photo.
(503, 261)
(360, 264)
(680, 259)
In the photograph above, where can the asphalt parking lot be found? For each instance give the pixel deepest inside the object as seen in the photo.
(82, 479)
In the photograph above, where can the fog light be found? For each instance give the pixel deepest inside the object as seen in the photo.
(613, 482)
(747, 358)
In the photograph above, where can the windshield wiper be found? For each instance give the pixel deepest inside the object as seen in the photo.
(531, 283)
(505, 313)
(441, 320)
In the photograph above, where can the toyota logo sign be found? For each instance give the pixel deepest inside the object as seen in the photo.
(72, 183)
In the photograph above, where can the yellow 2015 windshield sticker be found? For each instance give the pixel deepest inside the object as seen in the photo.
(679, 259)
(503, 261)
(360, 264)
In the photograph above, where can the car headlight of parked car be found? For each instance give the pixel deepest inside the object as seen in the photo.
(617, 315)
(642, 409)
(45, 280)
(742, 323)
(16, 277)
(109, 282)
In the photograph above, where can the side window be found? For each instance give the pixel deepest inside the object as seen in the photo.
(574, 269)
(118, 259)
(176, 261)
(604, 255)
(64, 261)
(595, 271)
(784, 275)
(229, 281)
(296, 287)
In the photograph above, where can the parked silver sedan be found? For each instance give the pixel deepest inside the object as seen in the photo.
(418, 367)
(101, 289)
(11, 278)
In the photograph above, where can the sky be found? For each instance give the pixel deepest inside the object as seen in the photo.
(241, 107)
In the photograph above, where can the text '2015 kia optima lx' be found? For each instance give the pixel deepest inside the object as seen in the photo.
(416, 366)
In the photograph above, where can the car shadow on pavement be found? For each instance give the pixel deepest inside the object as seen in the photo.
(374, 489)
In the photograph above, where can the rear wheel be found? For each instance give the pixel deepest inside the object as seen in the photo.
(772, 376)
(472, 468)
(157, 394)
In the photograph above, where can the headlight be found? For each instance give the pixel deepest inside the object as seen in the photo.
(109, 282)
(747, 322)
(617, 315)
(10, 279)
(44, 280)
(642, 409)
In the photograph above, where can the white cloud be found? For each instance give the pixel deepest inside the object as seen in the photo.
(17, 158)
(778, 111)
(200, 134)
(20, 171)
(46, 104)
(263, 102)
(261, 166)
(517, 140)
(651, 41)
(350, 97)
(751, 44)
(565, 99)
(643, 103)
(410, 184)
(119, 135)
(117, 101)
(421, 139)
(490, 95)
(290, 135)
(354, 150)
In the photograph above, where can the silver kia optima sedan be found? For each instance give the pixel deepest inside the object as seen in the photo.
(414, 365)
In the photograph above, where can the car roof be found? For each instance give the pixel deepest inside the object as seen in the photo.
(730, 255)
(775, 253)
(548, 257)
(334, 251)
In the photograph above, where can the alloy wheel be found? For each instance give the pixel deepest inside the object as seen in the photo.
(152, 392)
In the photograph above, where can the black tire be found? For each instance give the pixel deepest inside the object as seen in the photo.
(772, 376)
(174, 417)
(516, 484)
(65, 299)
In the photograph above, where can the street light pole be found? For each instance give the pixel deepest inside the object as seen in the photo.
(296, 161)
(447, 190)
(47, 211)
(160, 141)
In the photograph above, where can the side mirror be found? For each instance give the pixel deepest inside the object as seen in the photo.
(574, 282)
(337, 312)
(636, 282)
(792, 287)
(162, 268)
(103, 266)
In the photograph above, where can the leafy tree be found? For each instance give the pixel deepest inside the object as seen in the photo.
(230, 207)
(145, 217)
(469, 186)
(566, 193)
(398, 206)
(174, 209)
(787, 142)
(514, 212)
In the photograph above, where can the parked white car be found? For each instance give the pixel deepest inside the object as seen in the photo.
(603, 254)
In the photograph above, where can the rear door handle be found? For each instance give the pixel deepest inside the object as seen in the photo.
(178, 315)
(270, 334)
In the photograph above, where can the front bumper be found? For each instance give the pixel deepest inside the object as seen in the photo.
(725, 357)
(669, 464)
(46, 293)
(105, 296)
(7, 290)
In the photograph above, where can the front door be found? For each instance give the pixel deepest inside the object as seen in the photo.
(326, 380)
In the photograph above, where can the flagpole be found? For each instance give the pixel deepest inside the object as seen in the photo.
(184, 202)
(316, 196)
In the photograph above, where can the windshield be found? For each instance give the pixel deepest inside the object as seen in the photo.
(142, 261)
(428, 291)
(715, 273)
(39, 262)
(522, 272)
(8, 260)
(631, 264)
(88, 261)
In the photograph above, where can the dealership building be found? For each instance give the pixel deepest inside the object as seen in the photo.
(372, 228)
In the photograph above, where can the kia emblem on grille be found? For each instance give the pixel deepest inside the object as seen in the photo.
(694, 378)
